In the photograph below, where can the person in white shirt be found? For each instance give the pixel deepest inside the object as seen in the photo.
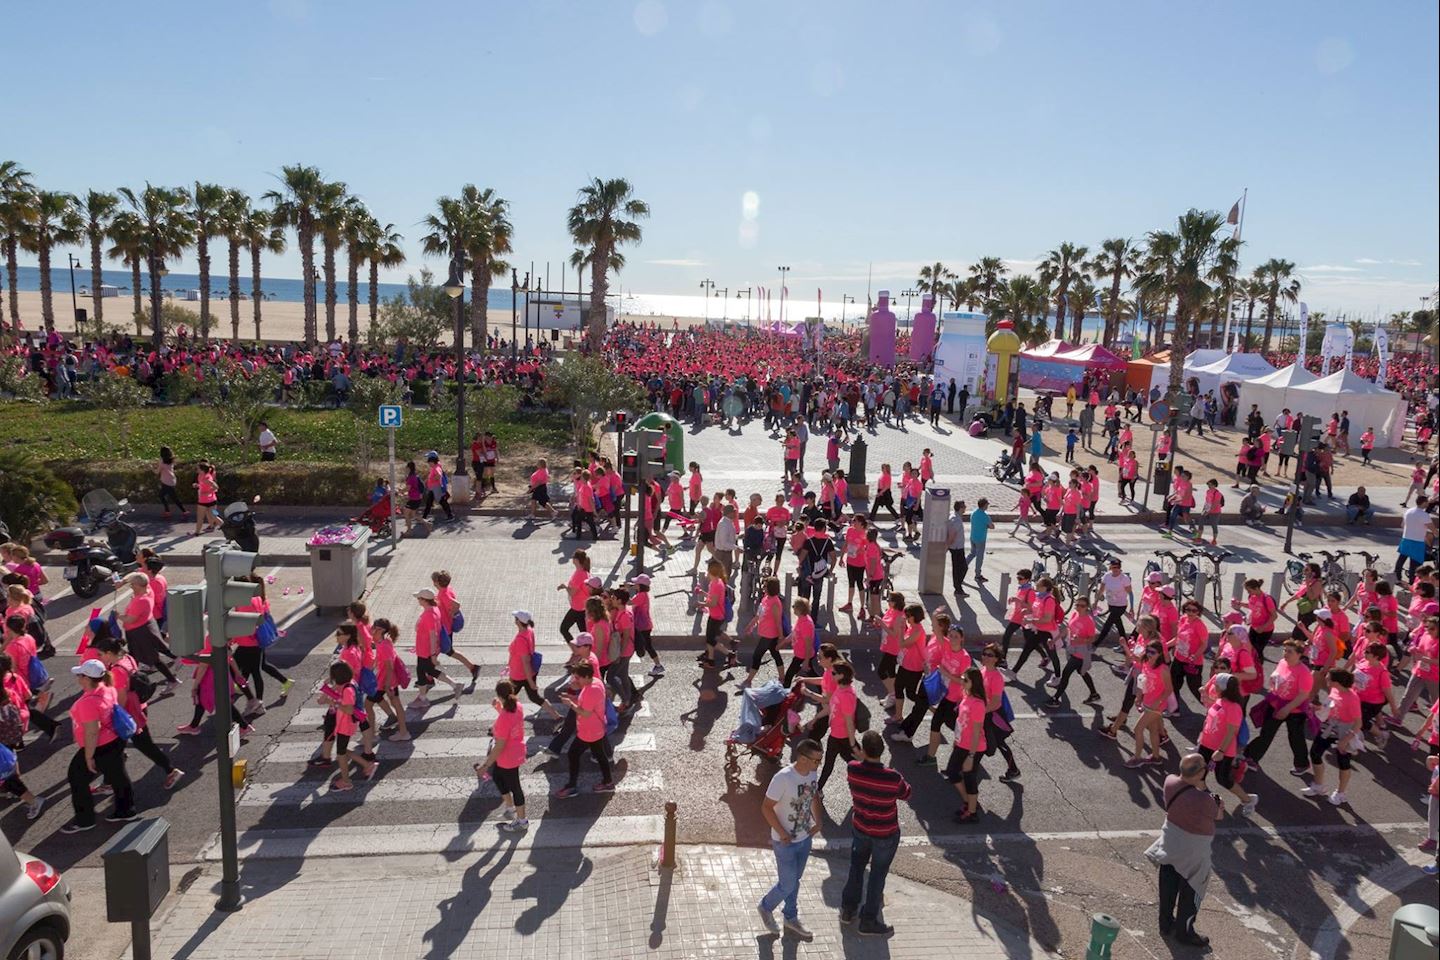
(792, 809)
(727, 539)
(1417, 528)
(267, 441)
(1119, 596)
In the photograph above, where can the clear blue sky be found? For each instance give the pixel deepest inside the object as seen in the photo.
(895, 133)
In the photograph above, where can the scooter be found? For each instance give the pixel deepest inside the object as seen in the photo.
(90, 563)
(237, 524)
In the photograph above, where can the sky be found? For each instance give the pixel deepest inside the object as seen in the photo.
(843, 139)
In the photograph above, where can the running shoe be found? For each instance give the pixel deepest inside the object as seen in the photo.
(32, 810)
(604, 788)
(1338, 799)
(73, 827)
(186, 730)
(515, 826)
(285, 686)
(565, 793)
(1248, 809)
(657, 671)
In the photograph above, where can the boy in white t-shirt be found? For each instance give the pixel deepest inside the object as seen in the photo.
(792, 809)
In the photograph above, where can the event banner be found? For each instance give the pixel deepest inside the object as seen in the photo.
(960, 351)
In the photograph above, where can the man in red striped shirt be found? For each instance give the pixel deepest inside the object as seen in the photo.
(874, 791)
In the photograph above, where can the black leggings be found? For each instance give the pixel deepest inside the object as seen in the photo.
(199, 715)
(573, 618)
(531, 690)
(1011, 629)
(1294, 733)
(1180, 676)
(141, 741)
(1038, 641)
(1072, 666)
(768, 645)
(1127, 488)
(834, 747)
(253, 665)
(168, 496)
(644, 646)
(1128, 700)
(1115, 617)
(885, 499)
(46, 723)
(110, 764)
(799, 667)
(444, 501)
(507, 780)
(599, 749)
(907, 687)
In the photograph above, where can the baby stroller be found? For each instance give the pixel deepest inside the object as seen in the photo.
(376, 517)
(764, 725)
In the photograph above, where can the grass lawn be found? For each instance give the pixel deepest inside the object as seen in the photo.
(75, 431)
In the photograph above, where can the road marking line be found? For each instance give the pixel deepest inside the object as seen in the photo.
(479, 713)
(447, 838)
(995, 839)
(1362, 899)
(424, 789)
(444, 748)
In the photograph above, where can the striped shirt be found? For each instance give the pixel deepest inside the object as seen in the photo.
(874, 790)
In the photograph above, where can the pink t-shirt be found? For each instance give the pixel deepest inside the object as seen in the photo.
(802, 637)
(912, 656)
(715, 599)
(1020, 603)
(94, 705)
(1262, 612)
(1344, 705)
(539, 478)
(427, 633)
(970, 724)
(345, 723)
(954, 662)
(1191, 639)
(1221, 716)
(770, 617)
(640, 610)
(1372, 681)
(510, 727)
(138, 612)
(1151, 684)
(842, 707)
(855, 544)
(579, 592)
(1242, 659)
(591, 698)
(1288, 682)
(21, 649)
(522, 645)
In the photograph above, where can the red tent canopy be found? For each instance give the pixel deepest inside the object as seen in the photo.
(1091, 355)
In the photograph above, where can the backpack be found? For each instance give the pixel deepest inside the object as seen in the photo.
(612, 718)
(446, 643)
(8, 763)
(729, 604)
(142, 686)
(266, 633)
(122, 723)
(457, 622)
(400, 674)
(12, 725)
(36, 675)
(862, 716)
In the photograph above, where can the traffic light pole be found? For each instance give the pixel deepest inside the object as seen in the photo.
(1304, 443)
(642, 531)
(220, 674)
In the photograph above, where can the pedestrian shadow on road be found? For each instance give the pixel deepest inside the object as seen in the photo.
(558, 872)
(457, 914)
(710, 706)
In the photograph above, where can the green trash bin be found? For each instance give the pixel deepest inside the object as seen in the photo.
(674, 437)
(1414, 932)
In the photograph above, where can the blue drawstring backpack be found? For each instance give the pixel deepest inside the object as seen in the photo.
(934, 685)
(8, 763)
(457, 622)
(612, 718)
(266, 633)
(36, 675)
(122, 723)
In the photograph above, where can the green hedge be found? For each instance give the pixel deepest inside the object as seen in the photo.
(278, 482)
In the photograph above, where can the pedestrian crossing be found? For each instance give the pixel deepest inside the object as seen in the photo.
(430, 747)
(424, 789)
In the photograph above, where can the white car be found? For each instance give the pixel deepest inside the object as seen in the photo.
(34, 907)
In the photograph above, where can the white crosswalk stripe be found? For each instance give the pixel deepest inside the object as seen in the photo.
(476, 713)
(423, 789)
(444, 748)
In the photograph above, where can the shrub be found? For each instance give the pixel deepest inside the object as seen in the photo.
(18, 382)
(115, 400)
(277, 482)
(32, 497)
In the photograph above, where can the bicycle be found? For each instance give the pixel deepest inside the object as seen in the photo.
(1216, 556)
(1182, 574)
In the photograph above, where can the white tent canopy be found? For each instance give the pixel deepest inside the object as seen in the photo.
(1232, 366)
(1300, 391)
(1160, 376)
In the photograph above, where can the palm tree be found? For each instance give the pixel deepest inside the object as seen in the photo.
(604, 218)
(166, 229)
(57, 222)
(16, 210)
(127, 239)
(1250, 289)
(359, 229)
(1194, 264)
(382, 249)
(1280, 287)
(335, 209)
(1081, 298)
(1155, 280)
(1117, 259)
(98, 209)
(1222, 275)
(261, 235)
(205, 203)
(986, 277)
(490, 237)
(935, 280)
(962, 291)
(1016, 300)
(450, 226)
(303, 190)
(230, 223)
(1060, 266)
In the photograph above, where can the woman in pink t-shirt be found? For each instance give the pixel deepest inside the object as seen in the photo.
(449, 606)
(587, 699)
(142, 633)
(802, 642)
(387, 677)
(768, 627)
(1153, 688)
(427, 650)
(342, 694)
(952, 660)
(962, 770)
(539, 484)
(1220, 736)
(1192, 638)
(892, 628)
(507, 754)
(1339, 728)
(100, 750)
(577, 590)
(844, 737)
(207, 492)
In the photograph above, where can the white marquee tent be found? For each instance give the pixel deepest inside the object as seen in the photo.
(1269, 392)
(1302, 392)
(1160, 375)
(1231, 367)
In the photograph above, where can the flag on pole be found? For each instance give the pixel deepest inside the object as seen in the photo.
(1233, 217)
(1304, 333)
(1382, 353)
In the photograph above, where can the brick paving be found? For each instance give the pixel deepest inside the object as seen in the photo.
(600, 905)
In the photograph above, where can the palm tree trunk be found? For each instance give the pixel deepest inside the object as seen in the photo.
(1112, 322)
(479, 290)
(96, 279)
(234, 290)
(138, 293)
(598, 287)
(12, 271)
(352, 294)
(374, 293)
(1269, 324)
(1249, 320)
(202, 253)
(47, 310)
(256, 294)
(307, 267)
(329, 291)
(1060, 307)
(157, 335)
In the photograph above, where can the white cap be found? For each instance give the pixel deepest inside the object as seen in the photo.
(523, 616)
(93, 669)
(594, 581)
(1322, 614)
(425, 594)
(1155, 576)
(641, 580)
(1240, 629)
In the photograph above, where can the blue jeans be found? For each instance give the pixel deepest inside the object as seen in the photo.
(977, 556)
(790, 859)
(1355, 513)
(879, 852)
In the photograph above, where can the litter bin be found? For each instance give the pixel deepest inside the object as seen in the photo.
(339, 559)
(1160, 485)
(1414, 932)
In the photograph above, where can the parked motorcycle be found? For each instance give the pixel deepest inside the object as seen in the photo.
(90, 562)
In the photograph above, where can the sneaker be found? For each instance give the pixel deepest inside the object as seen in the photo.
(898, 736)
(767, 917)
(873, 928)
(170, 687)
(246, 732)
(888, 703)
(1054, 703)
(1134, 763)
(474, 673)
(285, 688)
(419, 703)
(1338, 799)
(32, 810)
(604, 788)
(1052, 680)
(1299, 771)
(1427, 845)
(847, 608)
(1093, 698)
(73, 827)
(1011, 775)
(259, 709)
(185, 730)
(118, 817)
(172, 778)
(1108, 734)
(847, 915)
(798, 931)
(927, 761)
(101, 790)
(1312, 790)
(1430, 870)
(515, 826)
(565, 793)
(1248, 809)
(657, 671)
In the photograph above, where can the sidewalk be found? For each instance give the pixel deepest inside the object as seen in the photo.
(568, 902)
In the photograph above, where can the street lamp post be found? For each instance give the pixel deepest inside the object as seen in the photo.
(705, 287)
(783, 271)
(724, 304)
(845, 298)
(514, 310)
(455, 290)
(907, 294)
(74, 303)
(746, 291)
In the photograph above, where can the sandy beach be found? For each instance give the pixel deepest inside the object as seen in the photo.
(280, 319)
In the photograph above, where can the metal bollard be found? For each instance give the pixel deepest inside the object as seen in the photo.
(1277, 584)
(667, 851)
(1004, 588)
(1103, 931)
(1237, 588)
(1414, 932)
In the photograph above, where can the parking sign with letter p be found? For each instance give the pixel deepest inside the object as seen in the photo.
(391, 415)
